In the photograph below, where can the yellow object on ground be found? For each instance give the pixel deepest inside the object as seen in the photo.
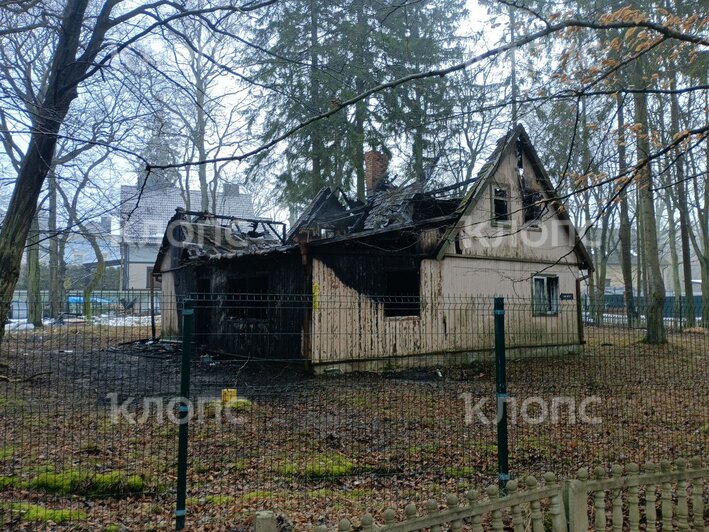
(228, 394)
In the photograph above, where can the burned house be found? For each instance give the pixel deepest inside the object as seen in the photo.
(405, 278)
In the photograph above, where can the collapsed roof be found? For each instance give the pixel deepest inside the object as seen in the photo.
(205, 236)
(332, 217)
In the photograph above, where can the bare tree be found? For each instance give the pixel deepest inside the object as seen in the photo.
(85, 40)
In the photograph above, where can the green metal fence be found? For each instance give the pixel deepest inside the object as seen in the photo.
(90, 408)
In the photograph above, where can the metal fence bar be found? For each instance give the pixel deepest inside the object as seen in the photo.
(503, 466)
(187, 328)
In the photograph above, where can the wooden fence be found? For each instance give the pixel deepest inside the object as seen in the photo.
(619, 499)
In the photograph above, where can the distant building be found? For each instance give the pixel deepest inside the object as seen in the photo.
(78, 251)
(145, 214)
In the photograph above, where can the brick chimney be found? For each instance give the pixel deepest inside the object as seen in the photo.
(376, 165)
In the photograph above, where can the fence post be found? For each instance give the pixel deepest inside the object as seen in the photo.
(501, 381)
(576, 502)
(187, 327)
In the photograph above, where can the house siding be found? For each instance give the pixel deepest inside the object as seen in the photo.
(484, 279)
(480, 237)
(276, 335)
(455, 322)
(350, 326)
(170, 327)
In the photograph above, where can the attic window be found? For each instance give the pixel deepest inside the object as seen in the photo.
(500, 205)
(401, 295)
(532, 204)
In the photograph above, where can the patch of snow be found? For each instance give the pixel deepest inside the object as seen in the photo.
(622, 319)
(18, 325)
(125, 321)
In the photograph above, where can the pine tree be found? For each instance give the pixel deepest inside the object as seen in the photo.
(319, 55)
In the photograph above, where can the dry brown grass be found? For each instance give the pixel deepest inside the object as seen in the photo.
(401, 439)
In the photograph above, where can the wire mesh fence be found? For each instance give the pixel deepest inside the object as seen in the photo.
(313, 405)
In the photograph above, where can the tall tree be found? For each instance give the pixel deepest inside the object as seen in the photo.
(624, 230)
(34, 296)
(417, 37)
(682, 203)
(315, 56)
(655, 303)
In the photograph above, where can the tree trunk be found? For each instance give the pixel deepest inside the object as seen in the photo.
(624, 232)
(655, 303)
(513, 66)
(705, 294)
(34, 296)
(200, 138)
(360, 107)
(674, 259)
(681, 203)
(598, 288)
(98, 274)
(56, 286)
(639, 262)
(596, 291)
(417, 150)
(316, 145)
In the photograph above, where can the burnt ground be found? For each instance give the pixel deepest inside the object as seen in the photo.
(319, 447)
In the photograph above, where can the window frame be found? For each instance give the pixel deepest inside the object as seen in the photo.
(532, 210)
(493, 200)
(552, 302)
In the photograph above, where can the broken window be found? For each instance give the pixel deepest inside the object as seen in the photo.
(545, 295)
(402, 296)
(458, 248)
(532, 203)
(500, 205)
(247, 297)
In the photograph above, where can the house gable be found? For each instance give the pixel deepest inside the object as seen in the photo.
(497, 223)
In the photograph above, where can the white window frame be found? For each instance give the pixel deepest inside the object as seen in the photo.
(545, 301)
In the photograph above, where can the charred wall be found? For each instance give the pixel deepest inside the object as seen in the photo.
(367, 274)
(250, 306)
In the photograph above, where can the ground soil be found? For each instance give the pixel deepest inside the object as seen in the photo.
(319, 448)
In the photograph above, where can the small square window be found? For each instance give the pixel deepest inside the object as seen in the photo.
(402, 293)
(545, 295)
(500, 205)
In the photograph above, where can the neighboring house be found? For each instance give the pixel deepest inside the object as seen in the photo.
(79, 251)
(395, 279)
(144, 215)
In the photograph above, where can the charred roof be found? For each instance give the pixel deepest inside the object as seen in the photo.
(390, 213)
